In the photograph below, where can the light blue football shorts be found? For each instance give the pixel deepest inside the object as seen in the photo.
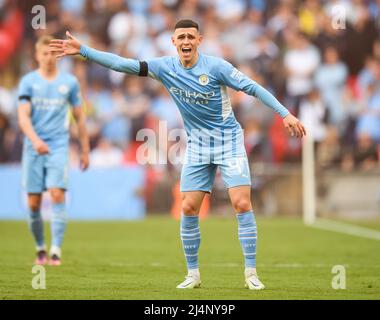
(42, 172)
(200, 176)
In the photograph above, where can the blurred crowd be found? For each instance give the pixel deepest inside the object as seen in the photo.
(321, 59)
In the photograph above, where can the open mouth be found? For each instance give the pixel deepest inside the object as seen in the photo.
(186, 50)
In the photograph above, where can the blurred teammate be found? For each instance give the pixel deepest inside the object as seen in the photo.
(197, 83)
(45, 95)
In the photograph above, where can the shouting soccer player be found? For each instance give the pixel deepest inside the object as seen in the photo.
(197, 83)
(43, 113)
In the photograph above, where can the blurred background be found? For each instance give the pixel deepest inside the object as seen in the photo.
(321, 59)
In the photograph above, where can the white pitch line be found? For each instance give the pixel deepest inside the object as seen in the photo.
(231, 265)
(346, 228)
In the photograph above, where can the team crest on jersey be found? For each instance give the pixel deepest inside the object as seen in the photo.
(63, 89)
(203, 79)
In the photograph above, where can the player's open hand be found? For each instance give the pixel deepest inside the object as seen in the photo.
(62, 48)
(41, 147)
(84, 161)
(294, 126)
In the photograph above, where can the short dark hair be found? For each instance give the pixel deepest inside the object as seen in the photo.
(186, 23)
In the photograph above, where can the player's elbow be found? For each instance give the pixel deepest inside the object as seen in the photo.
(79, 115)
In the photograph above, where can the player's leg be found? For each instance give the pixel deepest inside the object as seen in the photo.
(236, 176)
(58, 224)
(36, 226)
(247, 232)
(56, 182)
(33, 182)
(196, 180)
(191, 236)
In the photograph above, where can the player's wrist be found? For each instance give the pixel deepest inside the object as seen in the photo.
(286, 114)
(36, 141)
(83, 50)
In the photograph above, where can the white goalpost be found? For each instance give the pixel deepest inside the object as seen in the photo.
(310, 198)
(308, 180)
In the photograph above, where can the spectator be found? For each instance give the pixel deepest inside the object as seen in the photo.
(137, 104)
(369, 119)
(301, 60)
(262, 54)
(4, 125)
(330, 80)
(283, 19)
(106, 155)
(312, 114)
(365, 155)
(328, 153)
(360, 37)
(309, 17)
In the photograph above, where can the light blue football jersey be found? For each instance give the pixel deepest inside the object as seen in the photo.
(50, 101)
(200, 93)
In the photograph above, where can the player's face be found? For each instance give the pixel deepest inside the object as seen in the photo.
(187, 40)
(45, 58)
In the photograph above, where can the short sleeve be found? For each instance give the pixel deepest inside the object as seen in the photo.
(24, 90)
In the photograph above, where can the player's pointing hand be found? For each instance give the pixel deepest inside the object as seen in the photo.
(61, 48)
(294, 126)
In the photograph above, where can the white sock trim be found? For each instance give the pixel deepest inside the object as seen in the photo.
(55, 250)
(193, 272)
(39, 248)
(250, 271)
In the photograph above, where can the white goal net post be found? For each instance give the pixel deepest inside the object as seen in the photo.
(308, 180)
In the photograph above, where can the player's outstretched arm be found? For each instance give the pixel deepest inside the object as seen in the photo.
(291, 123)
(235, 79)
(72, 46)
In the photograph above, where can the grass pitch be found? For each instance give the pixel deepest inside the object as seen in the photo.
(143, 260)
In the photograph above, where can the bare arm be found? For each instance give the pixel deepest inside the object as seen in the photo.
(25, 123)
(80, 119)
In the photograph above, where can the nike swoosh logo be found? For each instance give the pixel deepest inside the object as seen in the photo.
(254, 284)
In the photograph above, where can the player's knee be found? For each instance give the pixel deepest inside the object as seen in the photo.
(34, 204)
(189, 208)
(58, 198)
(242, 205)
(57, 195)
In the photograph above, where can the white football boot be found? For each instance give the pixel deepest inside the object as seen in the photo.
(192, 280)
(252, 281)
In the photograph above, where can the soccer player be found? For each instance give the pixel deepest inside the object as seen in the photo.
(43, 115)
(197, 83)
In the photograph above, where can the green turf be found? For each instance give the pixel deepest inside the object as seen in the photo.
(144, 260)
